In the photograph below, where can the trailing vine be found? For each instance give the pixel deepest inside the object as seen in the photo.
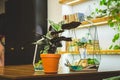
(112, 10)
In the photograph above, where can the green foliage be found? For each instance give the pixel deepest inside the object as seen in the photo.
(102, 2)
(116, 37)
(111, 23)
(111, 47)
(113, 11)
(92, 61)
(56, 27)
(38, 65)
(116, 47)
(83, 42)
(52, 40)
(46, 48)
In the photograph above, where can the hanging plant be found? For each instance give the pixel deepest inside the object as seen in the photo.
(112, 10)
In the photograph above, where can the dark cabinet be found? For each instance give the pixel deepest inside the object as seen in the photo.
(23, 18)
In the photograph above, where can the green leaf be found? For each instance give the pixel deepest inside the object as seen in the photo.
(102, 2)
(97, 10)
(111, 47)
(40, 62)
(117, 18)
(111, 24)
(56, 27)
(104, 11)
(108, 2)
(46, 49)
(109, 21)
(116, 47)
(116, 37)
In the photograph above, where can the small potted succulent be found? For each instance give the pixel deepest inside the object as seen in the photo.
(50, 42)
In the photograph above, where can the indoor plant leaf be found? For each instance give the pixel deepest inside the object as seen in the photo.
(56, 27)
(116, 37)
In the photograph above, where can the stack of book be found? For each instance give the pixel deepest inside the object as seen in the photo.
(73, 17)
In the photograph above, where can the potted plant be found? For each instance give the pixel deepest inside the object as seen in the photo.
(50, 42)
(85, 61)
(82, 44)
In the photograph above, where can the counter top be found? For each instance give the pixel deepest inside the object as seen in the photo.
(26, 72)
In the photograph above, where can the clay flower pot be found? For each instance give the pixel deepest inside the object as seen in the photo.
(50, 62)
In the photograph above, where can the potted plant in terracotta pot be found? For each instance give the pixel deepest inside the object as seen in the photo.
(50, 42)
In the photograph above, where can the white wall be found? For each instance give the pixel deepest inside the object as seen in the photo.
(54, 11)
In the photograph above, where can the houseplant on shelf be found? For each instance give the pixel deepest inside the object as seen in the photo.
(79, 65)
(84, 62)
(50, 42)
(84, 44)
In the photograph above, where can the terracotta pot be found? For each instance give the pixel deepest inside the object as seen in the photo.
(50, 62)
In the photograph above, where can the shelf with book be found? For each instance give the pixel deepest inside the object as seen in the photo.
(87, 23)
(97, 22)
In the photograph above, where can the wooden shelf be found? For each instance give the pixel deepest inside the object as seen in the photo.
(71, 2)
(96, 22)
(96, 52)
(105, 52)
(66, 52)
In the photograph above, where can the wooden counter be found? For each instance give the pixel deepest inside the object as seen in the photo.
(26, 72)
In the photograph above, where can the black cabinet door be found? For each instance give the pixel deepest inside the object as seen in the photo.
(20, 31)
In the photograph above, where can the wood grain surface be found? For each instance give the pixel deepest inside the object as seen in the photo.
(26, 72)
